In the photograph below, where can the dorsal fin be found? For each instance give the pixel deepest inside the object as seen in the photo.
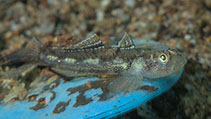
(126, 42)
(92, 41)
(34, 43)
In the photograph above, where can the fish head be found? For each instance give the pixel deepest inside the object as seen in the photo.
(162, 63)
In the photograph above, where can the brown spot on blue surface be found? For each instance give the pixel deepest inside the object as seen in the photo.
(41, 104)
(148, 88)
(52, 84)
(53, 96)
(88, 84)
(115, 107)
(60, 107)
(32, 97)
(82, 100)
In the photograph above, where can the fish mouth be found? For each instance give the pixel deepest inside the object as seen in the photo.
(180, 64)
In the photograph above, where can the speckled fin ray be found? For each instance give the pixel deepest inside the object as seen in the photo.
(125, 82)
(92, 41)
(126, 42)
(35, 44)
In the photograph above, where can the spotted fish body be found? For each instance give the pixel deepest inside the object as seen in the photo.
(120, 78)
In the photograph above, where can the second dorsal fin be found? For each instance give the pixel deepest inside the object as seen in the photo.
(92, 41)
(126, 42)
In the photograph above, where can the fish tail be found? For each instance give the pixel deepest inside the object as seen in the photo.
(28, 54)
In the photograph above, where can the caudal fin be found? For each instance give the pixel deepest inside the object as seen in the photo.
(28, 54)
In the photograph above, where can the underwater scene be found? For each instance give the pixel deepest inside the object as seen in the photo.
(90, 59)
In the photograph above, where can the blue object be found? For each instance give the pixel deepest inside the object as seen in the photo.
(80, 98)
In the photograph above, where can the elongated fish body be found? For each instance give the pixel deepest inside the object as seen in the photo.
(120, 78)
(91, 57)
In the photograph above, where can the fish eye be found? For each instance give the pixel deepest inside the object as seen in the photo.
(163, 58)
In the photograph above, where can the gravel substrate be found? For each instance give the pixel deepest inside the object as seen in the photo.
(182, 24)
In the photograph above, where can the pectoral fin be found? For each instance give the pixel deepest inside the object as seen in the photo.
(125, 83)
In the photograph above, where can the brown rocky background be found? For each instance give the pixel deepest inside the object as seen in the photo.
(182, 24)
